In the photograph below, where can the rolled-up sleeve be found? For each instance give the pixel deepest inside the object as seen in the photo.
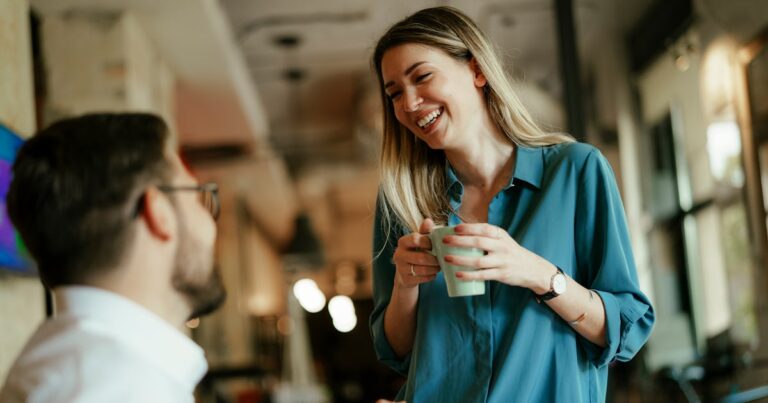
(384, 240)
(603, 249)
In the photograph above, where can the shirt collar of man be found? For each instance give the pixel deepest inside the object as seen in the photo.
(138, 328)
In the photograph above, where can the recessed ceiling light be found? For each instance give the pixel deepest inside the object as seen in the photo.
(287, 40)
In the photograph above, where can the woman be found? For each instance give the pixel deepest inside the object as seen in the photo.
(562, 299)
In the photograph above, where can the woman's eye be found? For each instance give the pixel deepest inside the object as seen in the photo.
(394, 95)
(422, 77)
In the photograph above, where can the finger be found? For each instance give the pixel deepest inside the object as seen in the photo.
(423, 242)
(407, 241)
(478, 262)
(411, 281)
(424, 279)
(407, 257)
(471, 241)
(424, 270)
(481, 275)
(426, 226)
(486, 230)
(414, 241)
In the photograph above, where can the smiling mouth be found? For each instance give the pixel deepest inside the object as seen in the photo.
(428, 120)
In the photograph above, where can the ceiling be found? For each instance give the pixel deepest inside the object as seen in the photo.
(217, 101)
(317, 119)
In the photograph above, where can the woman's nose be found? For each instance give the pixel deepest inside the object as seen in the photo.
(412, 101)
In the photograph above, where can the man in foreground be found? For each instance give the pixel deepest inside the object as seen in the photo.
(124, 237)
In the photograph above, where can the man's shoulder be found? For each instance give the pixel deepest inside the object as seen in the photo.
(64, 340)
(68, 358)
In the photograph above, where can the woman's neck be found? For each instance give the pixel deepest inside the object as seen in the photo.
(485, 162)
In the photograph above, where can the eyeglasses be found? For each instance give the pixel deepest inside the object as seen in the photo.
(209, 195)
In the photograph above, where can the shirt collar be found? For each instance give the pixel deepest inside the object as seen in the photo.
(454, 185)
(529, 165)
(138, 328)
(529, 168)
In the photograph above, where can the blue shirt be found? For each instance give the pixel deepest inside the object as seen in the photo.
(562, 204)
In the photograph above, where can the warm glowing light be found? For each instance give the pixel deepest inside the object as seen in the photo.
(745, 55)
(341, 304)
(724, 147)
(345, 326)
(719, 66)
(303, 286)
(309, 295)
(343, 313)
(260, 304)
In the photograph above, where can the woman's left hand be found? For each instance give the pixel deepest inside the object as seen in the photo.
(504, 261)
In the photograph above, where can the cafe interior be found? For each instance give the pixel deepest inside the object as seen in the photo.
(277, 102)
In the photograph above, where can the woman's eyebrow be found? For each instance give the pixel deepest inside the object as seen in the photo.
(407, 71)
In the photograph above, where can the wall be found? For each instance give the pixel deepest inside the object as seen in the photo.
(104, 61)
(21, 299)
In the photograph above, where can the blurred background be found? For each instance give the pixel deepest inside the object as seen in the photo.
(276, 101)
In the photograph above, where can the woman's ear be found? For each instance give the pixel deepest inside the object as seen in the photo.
(158, 214)
(479, 78)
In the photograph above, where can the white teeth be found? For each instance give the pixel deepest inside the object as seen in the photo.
(423, 122)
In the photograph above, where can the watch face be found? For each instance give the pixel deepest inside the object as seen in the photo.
(558, 284)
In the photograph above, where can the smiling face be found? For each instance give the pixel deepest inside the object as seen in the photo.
(435, 96)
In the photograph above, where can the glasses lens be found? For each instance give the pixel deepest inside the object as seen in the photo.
(215, 206)
(209, 199)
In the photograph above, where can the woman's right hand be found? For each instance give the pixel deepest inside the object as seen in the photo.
(413, 264)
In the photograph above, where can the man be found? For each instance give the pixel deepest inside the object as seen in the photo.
(120, 234)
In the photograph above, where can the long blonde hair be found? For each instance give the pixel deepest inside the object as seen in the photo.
(412, 174)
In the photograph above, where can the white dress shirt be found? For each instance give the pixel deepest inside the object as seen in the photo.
(102, 347)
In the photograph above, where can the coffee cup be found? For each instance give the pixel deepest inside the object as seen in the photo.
(456, 287)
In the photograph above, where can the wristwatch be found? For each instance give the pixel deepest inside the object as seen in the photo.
(557, 286)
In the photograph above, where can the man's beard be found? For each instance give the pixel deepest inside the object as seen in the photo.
(194, 275)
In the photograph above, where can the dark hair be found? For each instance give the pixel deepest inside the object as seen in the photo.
(75, 189)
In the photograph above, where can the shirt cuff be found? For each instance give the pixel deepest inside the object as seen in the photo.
(384, 351)
(618, 321)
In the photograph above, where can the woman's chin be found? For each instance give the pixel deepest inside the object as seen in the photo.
(435, 138)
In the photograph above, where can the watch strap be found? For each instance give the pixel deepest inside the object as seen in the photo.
(551, 293)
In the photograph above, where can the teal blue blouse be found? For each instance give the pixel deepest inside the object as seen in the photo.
(563, 204)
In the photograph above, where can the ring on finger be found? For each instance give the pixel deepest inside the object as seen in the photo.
(413, 273)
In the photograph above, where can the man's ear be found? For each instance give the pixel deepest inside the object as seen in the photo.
(479, 78)
(158, 213)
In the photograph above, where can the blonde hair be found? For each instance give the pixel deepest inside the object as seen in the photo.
(412, 174)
